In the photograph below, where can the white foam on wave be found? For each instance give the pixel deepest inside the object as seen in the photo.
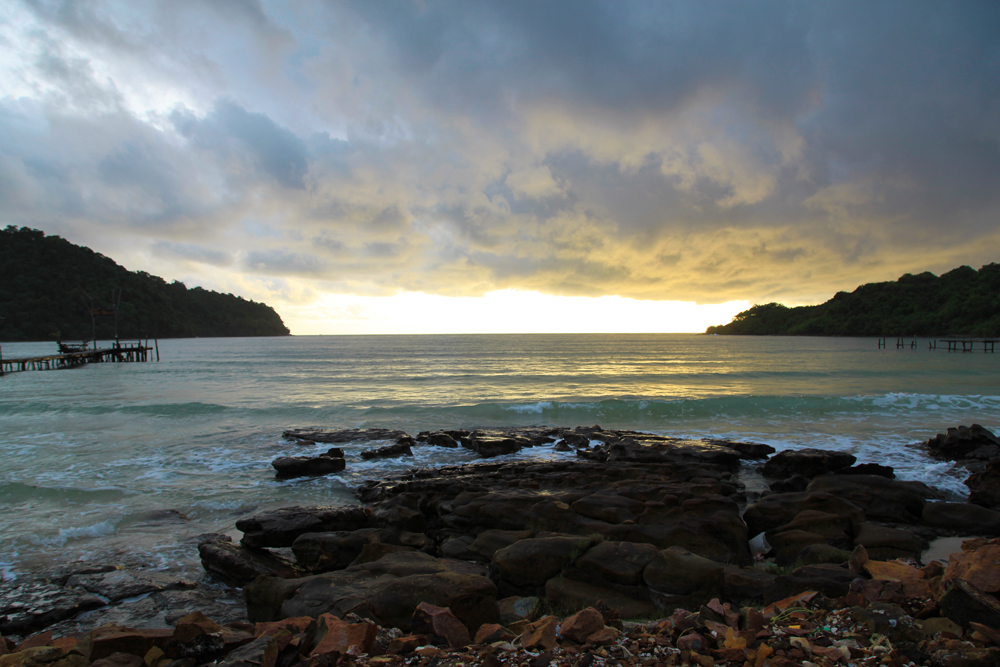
(530, 408)
(99, 529)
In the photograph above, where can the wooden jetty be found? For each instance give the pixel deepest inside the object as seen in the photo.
(968, 344)
(117, 353)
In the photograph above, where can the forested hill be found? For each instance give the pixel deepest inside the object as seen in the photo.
(962, 302)
(45, 282)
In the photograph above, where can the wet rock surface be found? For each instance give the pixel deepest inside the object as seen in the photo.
(635, 526)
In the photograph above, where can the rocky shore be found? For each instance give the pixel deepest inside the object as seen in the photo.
(644, 550)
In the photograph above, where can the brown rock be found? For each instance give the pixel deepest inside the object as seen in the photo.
(581, 625)
(963, 603)
(887, 543)
(32, 657)
(541, 634)
(785, 547)
(880, 498)
(603, 637)
(119, 660)
(40, 639)
(912, 579)
(493, 632)
(534, 561)
(778, 509)
(296, 625)
(194, 625)
(405, 645)
(829, 525)
(980, 568)
(113, 639)
(690, 642)
(436, 621)
(677, 571)
(334, 636)
(806, 462)
(858, 559)
(962, 517)
(517, 608)
(933, 626)
(618, 562)
(242, 565)
(984, 486)
(572, 594)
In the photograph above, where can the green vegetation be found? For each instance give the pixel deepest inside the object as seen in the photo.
(45, 282)
(962, 302)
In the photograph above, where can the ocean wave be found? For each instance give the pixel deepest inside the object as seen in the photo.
(643, 410)
(17, 492)
(168, 410)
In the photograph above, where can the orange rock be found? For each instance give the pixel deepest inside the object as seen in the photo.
(913, 581)
(336, 636)
(981, 568)
(41, 639)
(119, 660)
(32, 657)
(65, 643)
(127, 640)
(491, 632)
(194, 625)
(602, 637)
(406, 645)
(433, 620)
(540, 634)
(296, 625)
(582, 624)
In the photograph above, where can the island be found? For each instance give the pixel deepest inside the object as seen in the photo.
(51, 289)
(962, 302)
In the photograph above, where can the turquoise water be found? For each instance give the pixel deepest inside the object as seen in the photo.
(137, 458)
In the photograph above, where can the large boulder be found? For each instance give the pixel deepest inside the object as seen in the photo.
(778, 509)
(883, 543)
(961, 519)
(831, 580)
(307, 466)
(565, 593)
(617, 562)
(322, 552)
(881, 498)
(495, 443)
(806, 462)
(242, 565)
(280, 527)
(532, 562)
(964, 442)
(386, 591)
(984, 486)
(678, 578)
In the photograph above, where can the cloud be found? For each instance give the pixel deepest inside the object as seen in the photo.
(686, 150)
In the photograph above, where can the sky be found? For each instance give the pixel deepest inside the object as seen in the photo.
(507, 165)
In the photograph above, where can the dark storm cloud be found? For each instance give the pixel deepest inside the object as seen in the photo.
(696, 150)
(273, 150)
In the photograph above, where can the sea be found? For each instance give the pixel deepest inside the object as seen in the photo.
(132, 462)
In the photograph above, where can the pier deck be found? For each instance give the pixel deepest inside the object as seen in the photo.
(129, 353)
(967, 344)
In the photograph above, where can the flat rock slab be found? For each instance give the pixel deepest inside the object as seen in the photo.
(280, 527)
(345, 435)
(121, 584)
(29, 606)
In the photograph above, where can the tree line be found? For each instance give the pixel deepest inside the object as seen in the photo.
(51, 289)
(962, 302)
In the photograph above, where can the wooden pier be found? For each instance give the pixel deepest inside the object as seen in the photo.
(967, 344)
(117, 353)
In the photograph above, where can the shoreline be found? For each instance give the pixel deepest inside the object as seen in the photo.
(718, 481)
